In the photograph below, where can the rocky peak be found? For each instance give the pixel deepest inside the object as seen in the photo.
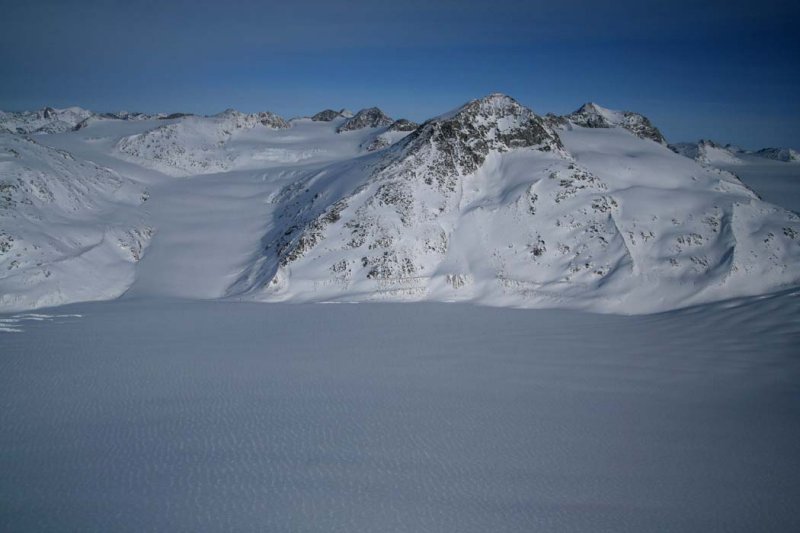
(465, 137)
(237, 119)
(403, 125)
(326, 116)
(366, 118)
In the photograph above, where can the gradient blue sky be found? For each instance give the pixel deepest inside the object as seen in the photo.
(726, 70)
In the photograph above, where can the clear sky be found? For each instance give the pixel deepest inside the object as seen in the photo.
(726, 70)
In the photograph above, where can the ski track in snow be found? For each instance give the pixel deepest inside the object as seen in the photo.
(215, 416)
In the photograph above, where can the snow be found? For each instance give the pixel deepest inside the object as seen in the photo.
(189, 402)
(775, 181)
(153, 414)
(489, 203)
(70, 230)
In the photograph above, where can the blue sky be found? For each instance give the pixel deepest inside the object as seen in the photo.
(722, 70)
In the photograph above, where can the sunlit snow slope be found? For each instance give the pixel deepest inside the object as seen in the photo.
(489, 203)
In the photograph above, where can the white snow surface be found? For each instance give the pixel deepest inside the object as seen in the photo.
(487, 203)
(191, 402)
(46, 120)
(70, 230)
(158, 415)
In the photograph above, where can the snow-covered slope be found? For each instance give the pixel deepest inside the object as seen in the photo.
(195, 145)
(779, 154)
(707, 152)
(46, 120)
(396, 131)
(592, 115)
(713, 153)
(488, 203)
(69, 230)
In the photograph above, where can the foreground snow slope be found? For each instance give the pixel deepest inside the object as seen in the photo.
(489, 203)
(153, 415)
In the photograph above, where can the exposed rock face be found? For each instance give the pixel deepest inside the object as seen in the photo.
(402, 124)
(393, 226)
(593, 116)
(366, 118)
(394, 133)
(326, 116)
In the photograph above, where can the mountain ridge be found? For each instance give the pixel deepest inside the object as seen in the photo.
(490, 203)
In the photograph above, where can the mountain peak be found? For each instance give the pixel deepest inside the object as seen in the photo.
(371, 117)
(495, 122)
(326, 115)
(592, 115)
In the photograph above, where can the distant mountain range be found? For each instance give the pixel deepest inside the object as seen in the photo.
(490, 203)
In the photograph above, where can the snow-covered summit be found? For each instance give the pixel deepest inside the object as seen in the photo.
(45, 120)
(786, 155)
(371, 117)
(488, 203)
(591, 115)
(710, 152)
(195, 144)
(707, 152)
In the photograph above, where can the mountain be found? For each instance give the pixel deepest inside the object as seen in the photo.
(708, 152)
(45, 120)
(490, 203)
(70, 230)
(195, 145)
(396, 131)
(326, 116)
(366, 118)
(779, 154)
(594, 116)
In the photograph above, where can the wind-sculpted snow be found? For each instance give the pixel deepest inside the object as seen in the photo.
(154, 415)
(488, 204)
(195, 145)
(594, 116)
(67, 227)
